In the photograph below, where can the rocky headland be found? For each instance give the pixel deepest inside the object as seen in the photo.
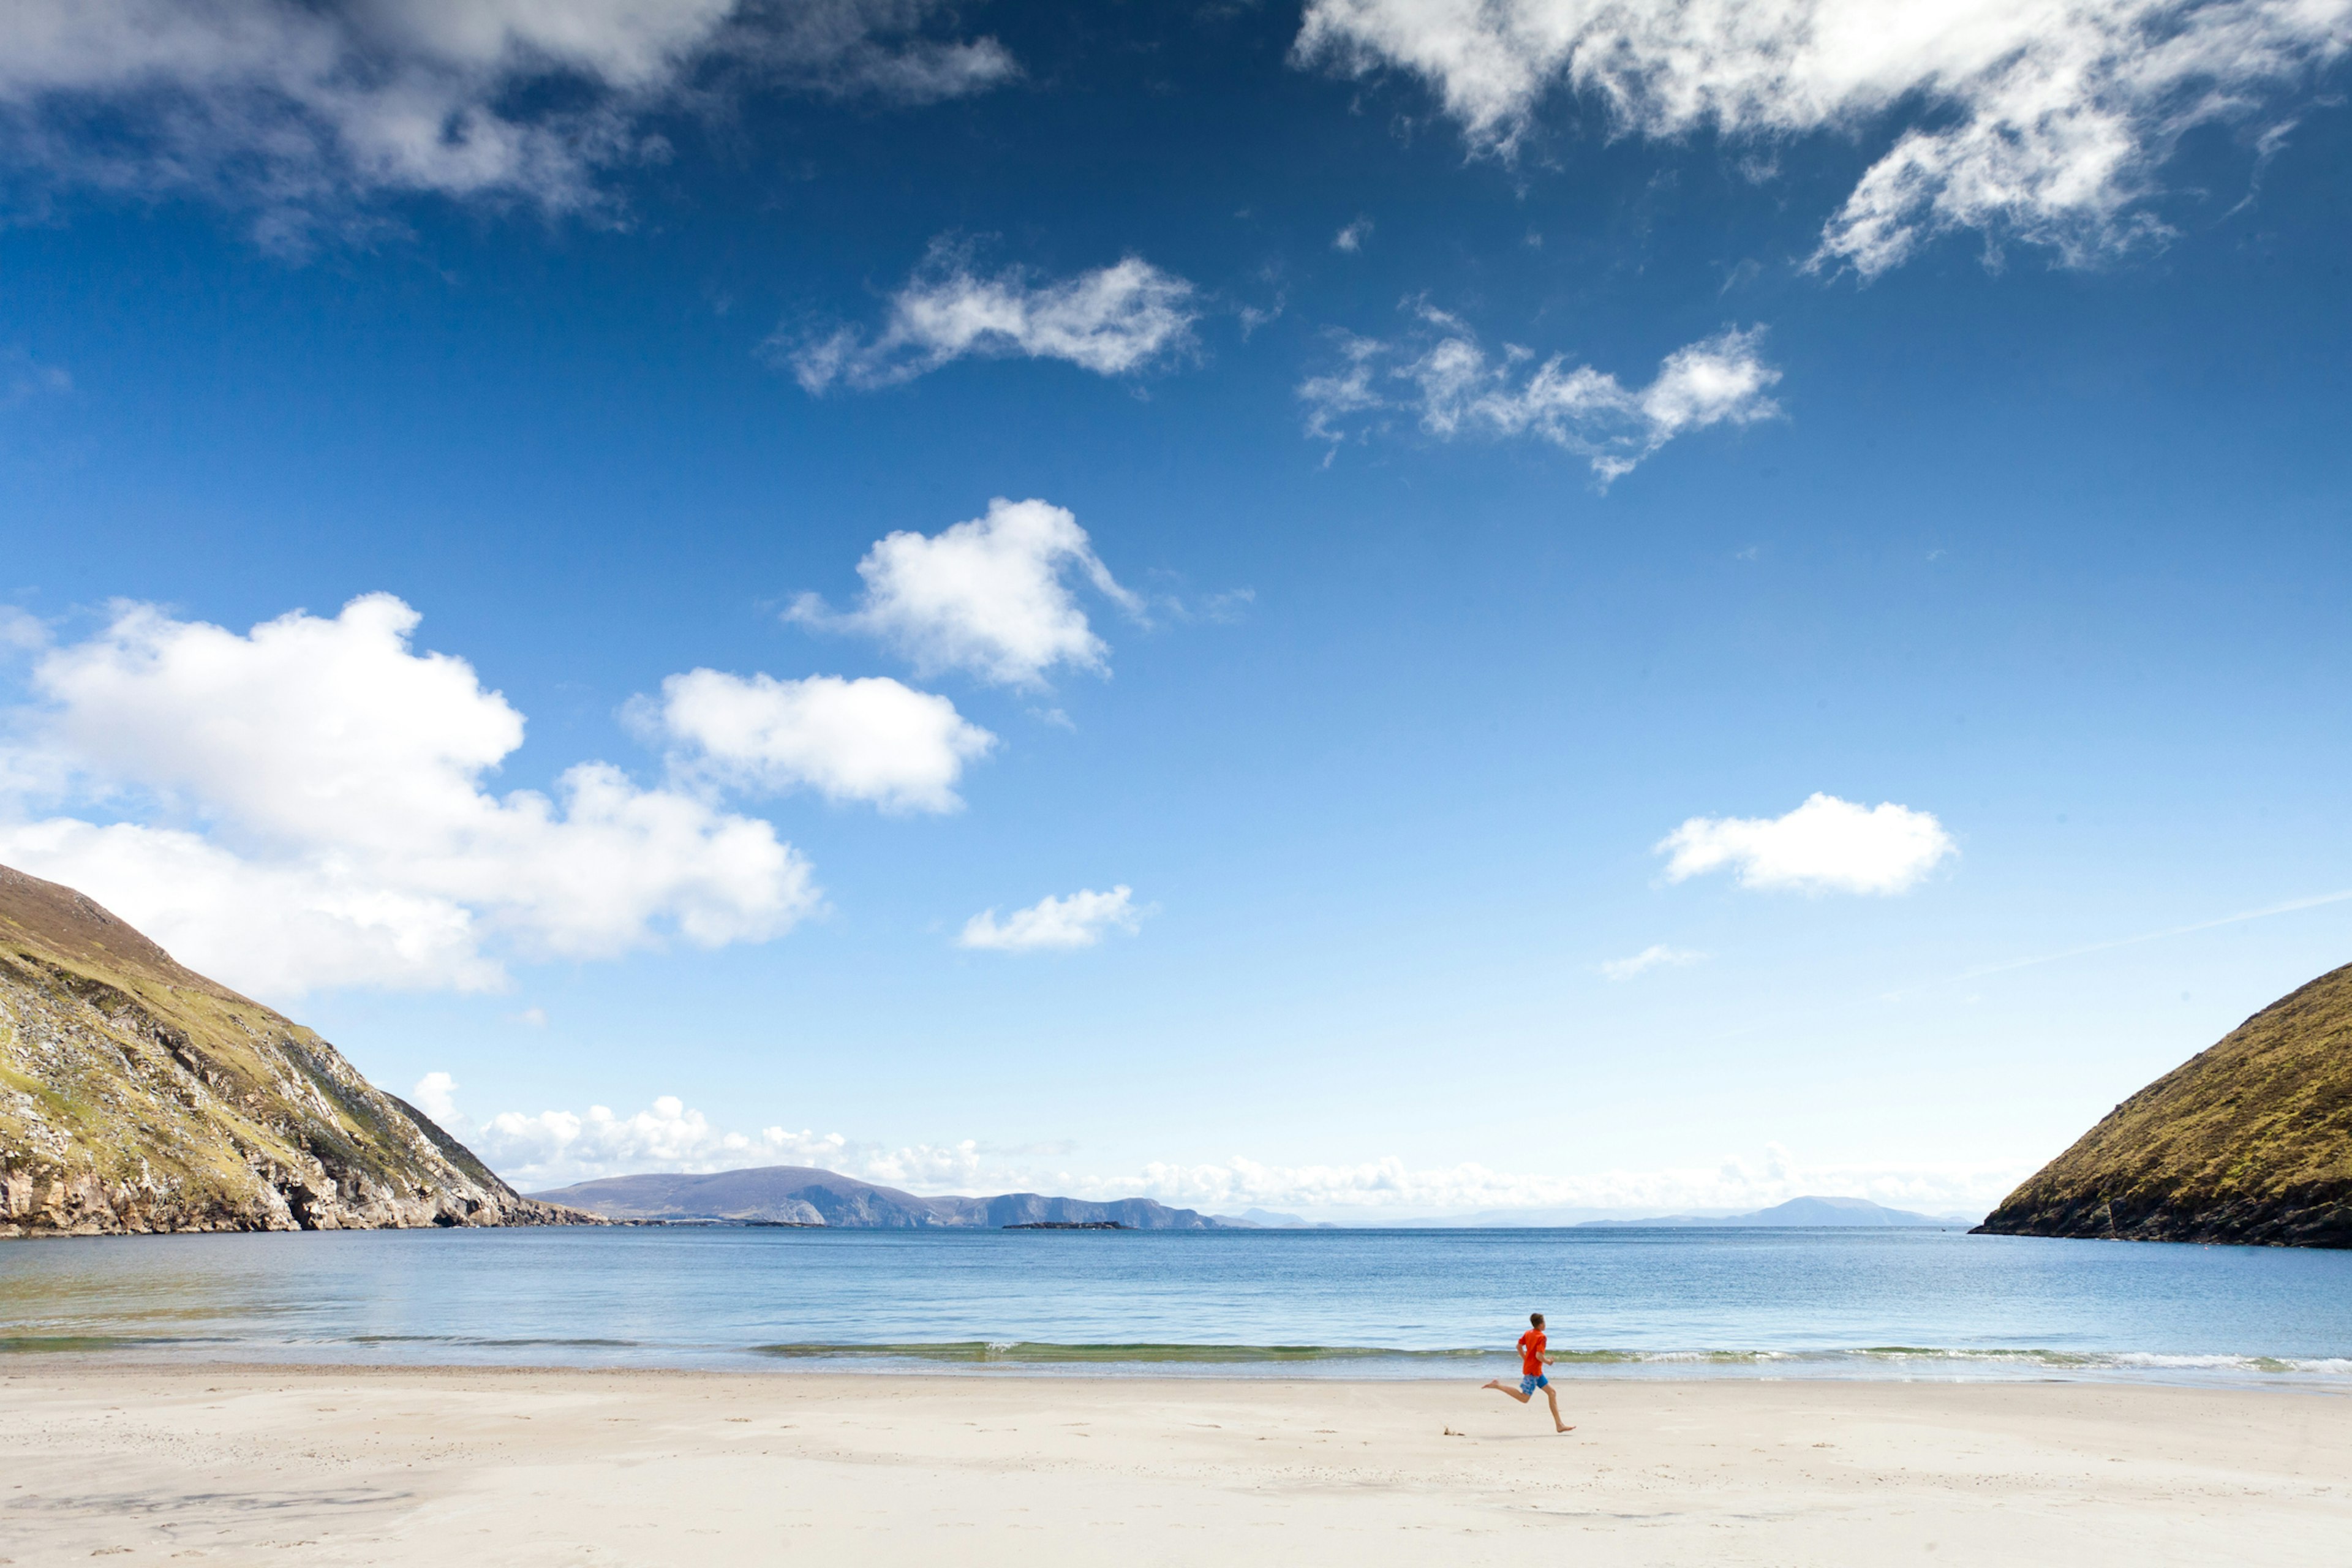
(136, 1095)
(2249, 1141)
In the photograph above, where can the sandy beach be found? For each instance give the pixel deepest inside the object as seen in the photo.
(443, 1467)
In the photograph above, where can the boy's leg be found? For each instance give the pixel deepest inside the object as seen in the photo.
(1505, 1389)
(1552, 1394)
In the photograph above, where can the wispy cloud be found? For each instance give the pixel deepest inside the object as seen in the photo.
(1394, 1186)
(1825, 845)
(1115, 321)
(307, 111)
(1081, 920)
(23, 379)
(2047, 123)
(1443, 375)
(1656, 956)
(1351, 238)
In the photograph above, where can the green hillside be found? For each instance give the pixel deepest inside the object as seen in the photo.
(2249, 1141)
(136, 1095)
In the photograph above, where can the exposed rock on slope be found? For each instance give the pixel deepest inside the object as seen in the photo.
(136, 1095)
(803, 1194)
(2250, 1142)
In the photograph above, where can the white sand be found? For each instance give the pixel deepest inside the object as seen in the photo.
(449, 1467)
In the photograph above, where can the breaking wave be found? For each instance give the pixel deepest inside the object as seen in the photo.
(1870, 1361)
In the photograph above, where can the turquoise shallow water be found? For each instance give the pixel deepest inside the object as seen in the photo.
(1869, 1303)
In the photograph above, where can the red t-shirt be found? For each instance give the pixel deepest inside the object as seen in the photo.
(1531, 1350)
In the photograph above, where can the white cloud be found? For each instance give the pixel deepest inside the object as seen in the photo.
(864, 47)
(869, 740)
(2043, 122)
(989, 596)
(303, 805)
(23, 379)
(536, 1151)
(1351, 238)
(1347, 390)
(1115, 321)
(1443, 374)
(436, 1094)
(291, 107)
(1395, 1186)
(1826, 844)
(554, 1148)
(1655, 956)
(1079, 921)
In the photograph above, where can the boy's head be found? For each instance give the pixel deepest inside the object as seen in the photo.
(1535, 1317)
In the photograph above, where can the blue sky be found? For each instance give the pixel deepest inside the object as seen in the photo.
(1484, 492)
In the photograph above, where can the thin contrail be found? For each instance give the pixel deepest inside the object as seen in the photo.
(2288, 908)
(1906, 992)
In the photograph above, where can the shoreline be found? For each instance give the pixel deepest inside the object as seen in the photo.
(990, 1362)
(402, 1466)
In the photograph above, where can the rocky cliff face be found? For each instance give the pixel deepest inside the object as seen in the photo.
(136, 1095)
(2250, 1142)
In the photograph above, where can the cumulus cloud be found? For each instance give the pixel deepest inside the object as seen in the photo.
(1115, 321)
(303, 806)
(2045, 122)
(1655, 956)
(436, 1094)
(868, 740)
(1826, 844)
(989, 596)
(291, 107)
(1351, 238)
(1079, 921)
(1441, 373)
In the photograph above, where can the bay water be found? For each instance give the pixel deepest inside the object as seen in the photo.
(1359, 1303)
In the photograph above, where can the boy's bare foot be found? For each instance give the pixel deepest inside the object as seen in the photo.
(1567, 1428)
(1494, 1383)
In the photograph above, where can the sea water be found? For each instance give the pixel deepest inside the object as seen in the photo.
(1411, 1303)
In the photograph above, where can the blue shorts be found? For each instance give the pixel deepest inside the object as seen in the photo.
(1530, 1383)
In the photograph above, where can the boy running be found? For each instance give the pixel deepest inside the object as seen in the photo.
(1531, 1372)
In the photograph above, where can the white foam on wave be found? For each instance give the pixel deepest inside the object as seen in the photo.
(1990, 1358)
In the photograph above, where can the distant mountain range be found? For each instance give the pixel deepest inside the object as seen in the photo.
(1796, 1214)
(1804, 1212)
(803, 1195)
(1267, 1219)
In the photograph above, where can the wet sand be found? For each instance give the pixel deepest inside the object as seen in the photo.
(445, 1466)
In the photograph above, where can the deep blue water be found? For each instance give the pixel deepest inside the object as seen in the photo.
(1885, 1303)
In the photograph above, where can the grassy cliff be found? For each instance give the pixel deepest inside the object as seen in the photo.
(2249, 1141)
(136, 1095)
